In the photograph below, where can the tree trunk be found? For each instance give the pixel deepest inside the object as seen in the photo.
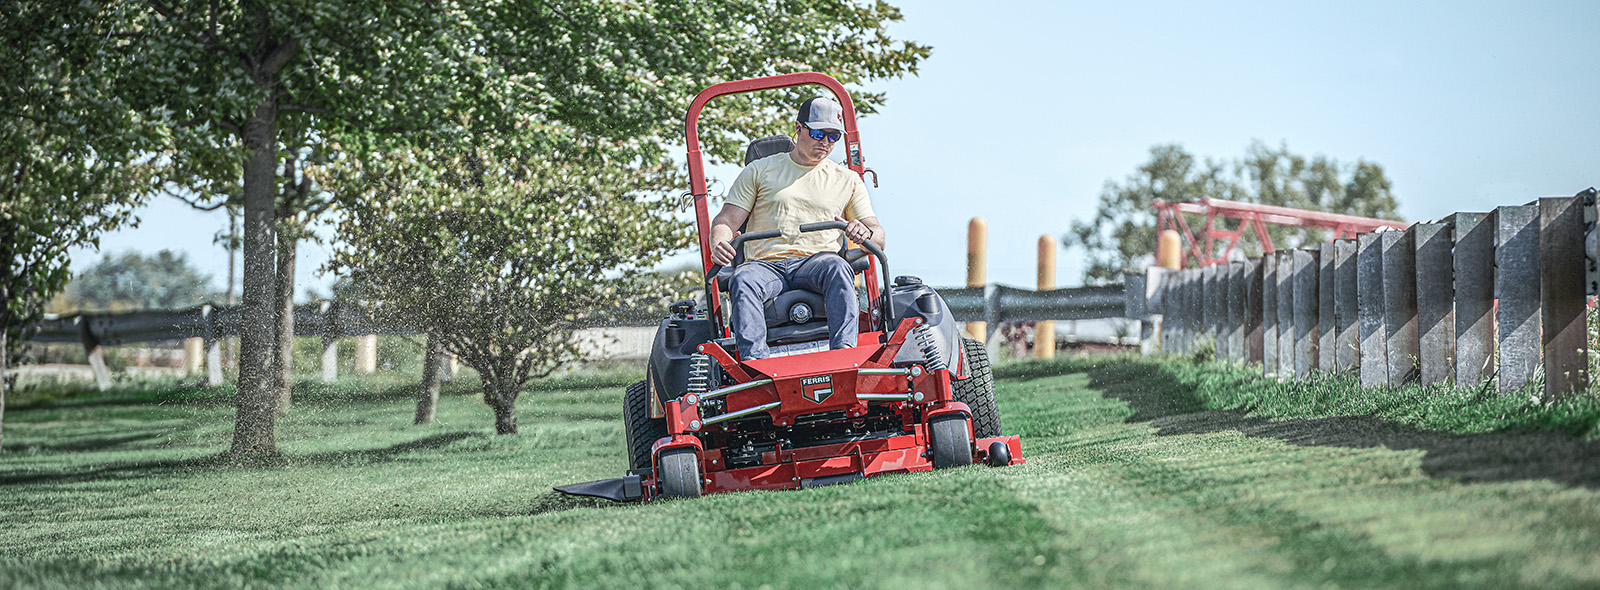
(285, 325)
(254, 433)
(428, 398)
(505, 416)
(501, 395)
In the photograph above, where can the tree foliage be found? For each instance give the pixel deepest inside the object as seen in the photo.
(501, 254)
(131, 280)
(70, 162)
(239, 90)
(1122, 233)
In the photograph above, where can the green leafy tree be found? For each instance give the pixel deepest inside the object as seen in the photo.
(499, 255)
(134, 281)
(1122, 233)
(243, 88)
(70, 167)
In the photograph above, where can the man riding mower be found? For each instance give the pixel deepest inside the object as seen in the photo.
(805, 387)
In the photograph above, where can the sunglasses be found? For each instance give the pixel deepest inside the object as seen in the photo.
(823, 134)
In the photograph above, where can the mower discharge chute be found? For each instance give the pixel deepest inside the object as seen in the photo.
(913, 395)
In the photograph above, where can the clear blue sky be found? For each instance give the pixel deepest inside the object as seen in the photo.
(1026, 109)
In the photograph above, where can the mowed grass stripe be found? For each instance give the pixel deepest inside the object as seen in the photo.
(1131, 483)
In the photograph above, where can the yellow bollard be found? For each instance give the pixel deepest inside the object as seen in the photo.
(1044, 333)
(194, 355)
(367, 353)
(977, 262)
(1169, 250)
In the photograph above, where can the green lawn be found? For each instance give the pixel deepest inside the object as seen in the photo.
(1131, 482)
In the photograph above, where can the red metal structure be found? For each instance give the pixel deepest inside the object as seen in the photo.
(1254, 217)
(905, 399)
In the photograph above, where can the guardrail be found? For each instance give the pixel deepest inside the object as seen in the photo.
(1500, 295)
(203, 326)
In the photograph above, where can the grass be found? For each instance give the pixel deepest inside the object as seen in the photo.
(1139, 475)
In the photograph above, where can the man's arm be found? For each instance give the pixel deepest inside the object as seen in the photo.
(722, 232)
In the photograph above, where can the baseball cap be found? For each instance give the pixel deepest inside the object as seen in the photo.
(821, 113)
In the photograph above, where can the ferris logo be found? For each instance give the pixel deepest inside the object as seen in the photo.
(817, 389)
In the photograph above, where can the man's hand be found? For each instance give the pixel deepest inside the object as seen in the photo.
(855, 230)
(722, 233)
(722, 251)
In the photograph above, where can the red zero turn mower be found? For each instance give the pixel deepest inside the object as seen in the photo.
(913, 395)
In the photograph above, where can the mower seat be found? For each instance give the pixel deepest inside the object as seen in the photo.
(766, 146)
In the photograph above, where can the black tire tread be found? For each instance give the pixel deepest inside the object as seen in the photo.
(641, 430)
(977, 390)
(680, 473)
(952, 445)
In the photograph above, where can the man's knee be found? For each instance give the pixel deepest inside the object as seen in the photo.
(748, 280)
(835, 269)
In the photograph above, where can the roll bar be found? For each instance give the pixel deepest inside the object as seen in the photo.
(697, 172)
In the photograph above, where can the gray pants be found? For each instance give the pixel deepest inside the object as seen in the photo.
(756, 282)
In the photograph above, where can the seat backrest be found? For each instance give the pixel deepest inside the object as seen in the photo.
(766, 146)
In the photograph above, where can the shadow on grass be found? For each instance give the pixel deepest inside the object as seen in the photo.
(91, 444)
(1159, 398)
(557, 502)
(224, 461)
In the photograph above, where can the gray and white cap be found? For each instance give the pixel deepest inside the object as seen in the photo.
(822, 113)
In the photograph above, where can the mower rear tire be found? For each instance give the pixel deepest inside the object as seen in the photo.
(642, 431)
(977, 390)
(680, 473)
(952, 442)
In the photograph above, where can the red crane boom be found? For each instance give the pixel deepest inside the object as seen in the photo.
(1255, 217)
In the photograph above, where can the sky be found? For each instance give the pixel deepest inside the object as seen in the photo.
(1025, 110)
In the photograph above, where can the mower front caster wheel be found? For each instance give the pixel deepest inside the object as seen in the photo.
(680, 473)
(952, 442)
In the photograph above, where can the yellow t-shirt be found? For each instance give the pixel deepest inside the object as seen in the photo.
(782, 195)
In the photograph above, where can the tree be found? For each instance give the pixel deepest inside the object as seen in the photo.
(240, 87)
(1122, 234)
(499, 254)
(133, 281)
(69, 164)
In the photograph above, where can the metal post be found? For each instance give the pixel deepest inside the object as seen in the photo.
(1236, 300)
(1253, 283)
(1436, 318)
(97, 363)
(1400, 305)
(1369, 308)
(213, 339)
(330, 342)
(1209, 308)
(1194, 331)
(1347, 342)
(1564, 300)
(1473, 262)
(1516, 286)
(1326, 323)
(1269, 315)
(96, 353)
(1285, 314)
(1305, 311)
